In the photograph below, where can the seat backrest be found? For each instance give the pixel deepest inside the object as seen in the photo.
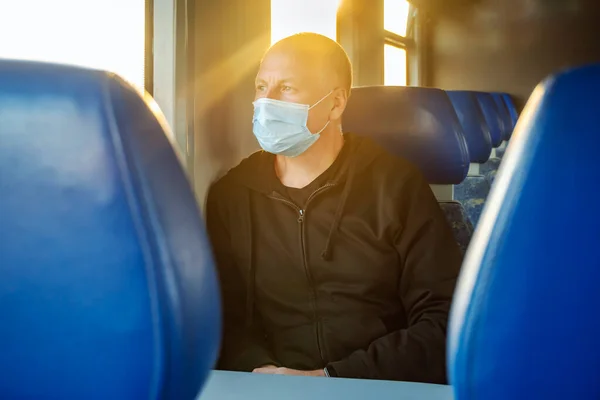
(512, 109)
(492, 117)
(524, 322)
(473, 191)
(418, 124)
(107, 287)
(475, 128)
(504, 115)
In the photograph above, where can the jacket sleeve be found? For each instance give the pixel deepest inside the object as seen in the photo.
(430, 262)
(243, 348)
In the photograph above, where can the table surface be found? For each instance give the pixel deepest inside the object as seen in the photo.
(223, 385)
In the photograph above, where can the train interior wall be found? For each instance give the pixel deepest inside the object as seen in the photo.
(511, 45)
(229, 38)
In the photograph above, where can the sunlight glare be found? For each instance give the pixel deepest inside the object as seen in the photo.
(98, 34)
(294, 16)
(395, 16)
(394, 66)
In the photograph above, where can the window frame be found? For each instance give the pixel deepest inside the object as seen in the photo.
(407, 43)
(149, 48)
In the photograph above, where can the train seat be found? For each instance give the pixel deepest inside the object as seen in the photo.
(472, 194)
(524, 322)
(473, 191)
(507, 123)
(495, 122)
(107, 287)
(475, 129)
(513, 118)
(420, 125)
(512, 109)
(492, 117)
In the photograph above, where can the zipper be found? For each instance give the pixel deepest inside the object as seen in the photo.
(313, 294)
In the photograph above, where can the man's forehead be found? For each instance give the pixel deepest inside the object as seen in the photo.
(291, 64)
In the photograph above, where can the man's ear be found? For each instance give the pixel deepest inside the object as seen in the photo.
(340, 99)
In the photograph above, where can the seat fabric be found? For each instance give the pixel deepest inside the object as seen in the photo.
(472, 193)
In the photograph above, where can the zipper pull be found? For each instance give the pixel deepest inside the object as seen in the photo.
(301, 216)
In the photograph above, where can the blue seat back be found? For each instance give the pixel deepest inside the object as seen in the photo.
(492, 117)
(473, 191)
(524, 322)
(107, 287)
(475, 128)
(507, 123)
(512, 109)
(418, 124)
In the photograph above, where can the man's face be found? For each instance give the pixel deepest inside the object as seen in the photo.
(297, 77)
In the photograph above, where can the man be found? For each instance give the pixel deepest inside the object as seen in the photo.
(334, 256)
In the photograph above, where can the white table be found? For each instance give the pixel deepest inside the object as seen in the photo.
(244, 386)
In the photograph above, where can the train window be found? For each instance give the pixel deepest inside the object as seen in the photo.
(397, 41)
(395, 16)
(100, 34)
(394, 66)
(293, 16)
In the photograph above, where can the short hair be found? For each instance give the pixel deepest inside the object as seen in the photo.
(322, 45)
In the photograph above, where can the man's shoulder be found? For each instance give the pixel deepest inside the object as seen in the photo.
(382, 164)
(237, 178)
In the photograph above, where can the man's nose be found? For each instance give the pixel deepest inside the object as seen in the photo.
(272, 93)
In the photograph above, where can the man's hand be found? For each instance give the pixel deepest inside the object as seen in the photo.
(272, 370)
(265, 369)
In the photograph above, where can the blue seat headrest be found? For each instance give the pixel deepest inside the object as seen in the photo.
(492, 117)
(524, 322)
(107, 287)
(512, 109)
(504, 115)
(476, 130)
(418, 124)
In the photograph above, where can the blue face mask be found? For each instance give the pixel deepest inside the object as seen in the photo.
(280, 126)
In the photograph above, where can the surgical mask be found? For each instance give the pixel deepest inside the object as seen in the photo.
(280, 126)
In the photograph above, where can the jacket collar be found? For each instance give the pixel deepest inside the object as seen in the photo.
(256, 171)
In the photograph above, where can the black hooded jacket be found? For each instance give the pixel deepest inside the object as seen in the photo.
(358, 279)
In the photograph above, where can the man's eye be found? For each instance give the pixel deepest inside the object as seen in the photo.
(260, 88)
(286, 89)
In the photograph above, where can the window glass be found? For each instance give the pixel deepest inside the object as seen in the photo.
(395, 16)
(99, 34)
(394, 66)
(293, 16)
